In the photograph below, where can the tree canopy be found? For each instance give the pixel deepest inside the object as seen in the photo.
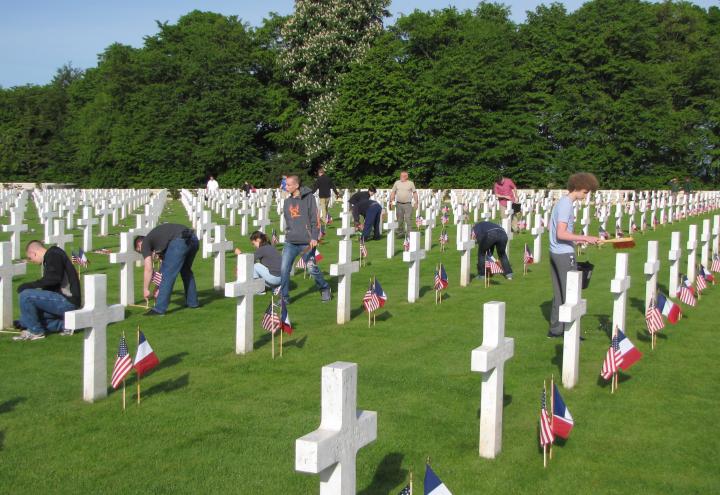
(627, 89)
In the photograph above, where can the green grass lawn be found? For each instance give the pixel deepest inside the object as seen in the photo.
(215, 422)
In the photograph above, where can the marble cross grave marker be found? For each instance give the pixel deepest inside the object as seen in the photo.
(651, 269)
(674, 257)
(413, 256)
(86, 223)
(243, 289)
(218, 247)
(7, 271)
(15, 228)
(95, 315)
(489, 359)
(571, 312)
(126, 257)
(330, 451)
(344, 269)
(391, 226)
(465, 244)
(619, 286)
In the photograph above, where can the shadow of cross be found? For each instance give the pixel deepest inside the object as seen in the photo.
(489, 359)
(330, 450)
(95, 315)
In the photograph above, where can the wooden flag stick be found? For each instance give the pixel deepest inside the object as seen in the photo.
(138, 377)
(374, 314)
(544, 456)
(123, 395)
(272, 319)
(552, 406)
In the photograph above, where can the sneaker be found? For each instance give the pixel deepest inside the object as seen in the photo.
(28, 335)
(508, 276)
(151, 312)
(67, 332)
(551, 335)
(325, 295)
(479, 277)
(260, 293)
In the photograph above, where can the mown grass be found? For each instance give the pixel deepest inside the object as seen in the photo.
(214, 422)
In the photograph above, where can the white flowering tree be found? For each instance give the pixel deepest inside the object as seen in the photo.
(321, 39)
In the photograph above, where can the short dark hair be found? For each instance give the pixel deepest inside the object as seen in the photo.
(140, 239)
(372, 189)
(295, 178)
(259, 235)
(33, 243)
(583, 180)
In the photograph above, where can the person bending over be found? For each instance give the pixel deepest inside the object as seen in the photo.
(490, 236)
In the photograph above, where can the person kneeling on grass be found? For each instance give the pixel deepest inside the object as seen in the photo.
(43, 303)
(267, 260)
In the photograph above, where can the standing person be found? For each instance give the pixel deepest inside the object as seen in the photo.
(562, 243)
(212, 185)
(324, 184)
(267, 260)
(371, 212)
(246, 187)
(506, 190)
(406, 200)
(491, 236)
(302, 231)
(177, 246)
(283, 186)
(43, 303)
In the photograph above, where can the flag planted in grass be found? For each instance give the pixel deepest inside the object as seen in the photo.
(145, 359)
(613, 359)
(562, 420)
(123, 364)
(285, 324)
(654, 320)
(375, 297)
(603, 234)
(546, 432)
(528, 256)
(492, 265)
(433, 485)
(715, 267)
(707, 274)
(629, 354)
(669, 309)
(441, 279)
(271, 319)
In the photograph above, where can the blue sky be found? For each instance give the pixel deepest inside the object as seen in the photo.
(38, 36)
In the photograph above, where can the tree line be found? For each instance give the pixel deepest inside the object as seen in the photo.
(629, 90)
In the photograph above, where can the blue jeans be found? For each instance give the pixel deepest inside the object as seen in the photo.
(178, 259)
(495, 239)
(43, 310)
(261, 271)
(289, 253)
(372, 221)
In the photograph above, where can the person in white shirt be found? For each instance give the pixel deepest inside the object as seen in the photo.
(212, 185)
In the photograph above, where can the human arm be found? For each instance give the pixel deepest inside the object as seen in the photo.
(52, 274)
(147, 276)
(314, 220)
(415, 199)
(562, 234)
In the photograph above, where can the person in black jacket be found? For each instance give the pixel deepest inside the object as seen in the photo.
(371, 212)
(43, 303)
(490, 236)
(324, 184)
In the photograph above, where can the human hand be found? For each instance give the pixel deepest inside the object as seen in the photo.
(238, 251)
(590, 239)
(313, 243)
(146, 294)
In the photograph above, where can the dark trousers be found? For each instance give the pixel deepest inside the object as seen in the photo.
(495, 239)
(560, 265)
(372, 221)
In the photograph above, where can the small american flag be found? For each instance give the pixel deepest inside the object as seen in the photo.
(156, 280)
(685, 295)
(82, 258)
(633, 226)
(274, 239)
(700, 283)
(654, 220)
(374, 297)
(715, 267)
(613, 359)
(328, 218)
(301, 264)
(708, 276)
(441, 280)
(528, 256)
(271, 319)
(654, 319)
(406, 491)
(603, 234)
(444, 219)
(406, 244)
(492, 265)
(522, 225)
(443, 237)
(74, 258)
(546, 434)
(123, 364)
(363, 249)
(619, 231)
(419, 221)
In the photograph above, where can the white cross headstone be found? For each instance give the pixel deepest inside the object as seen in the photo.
(651, 269)
(262, 220)
(7, 271)
(692, 256)
(347, 229)
(413, 256)
(95, 315)
(15, 228)
(127, 256)
(330, 451)
(489, 359)
(344, 269)
(619, 286)
(86, 223)
(59, 237)
(104, 212)
(705, 243)
(243, 289)
(429, 224)
(537, 232)
(244, 211)
(465, 244)
(716, 234)
(674, 257)
(390, 226)
(571, 312)
(217, 249)
(47, 217)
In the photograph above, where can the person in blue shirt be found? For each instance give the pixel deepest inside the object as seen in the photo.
(562, 243)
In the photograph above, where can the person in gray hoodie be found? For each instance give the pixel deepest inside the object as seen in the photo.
(302, 231)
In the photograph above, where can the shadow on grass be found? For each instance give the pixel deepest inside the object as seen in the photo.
(558, 358)
(388, 474)
(425, 289)
(9, 405)
(171, 360)
(605, 324)
(168, 386)
(299, 343)
(638, 304)
(2, 439)
(622, 378)
(546, 309)
(644, 336)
